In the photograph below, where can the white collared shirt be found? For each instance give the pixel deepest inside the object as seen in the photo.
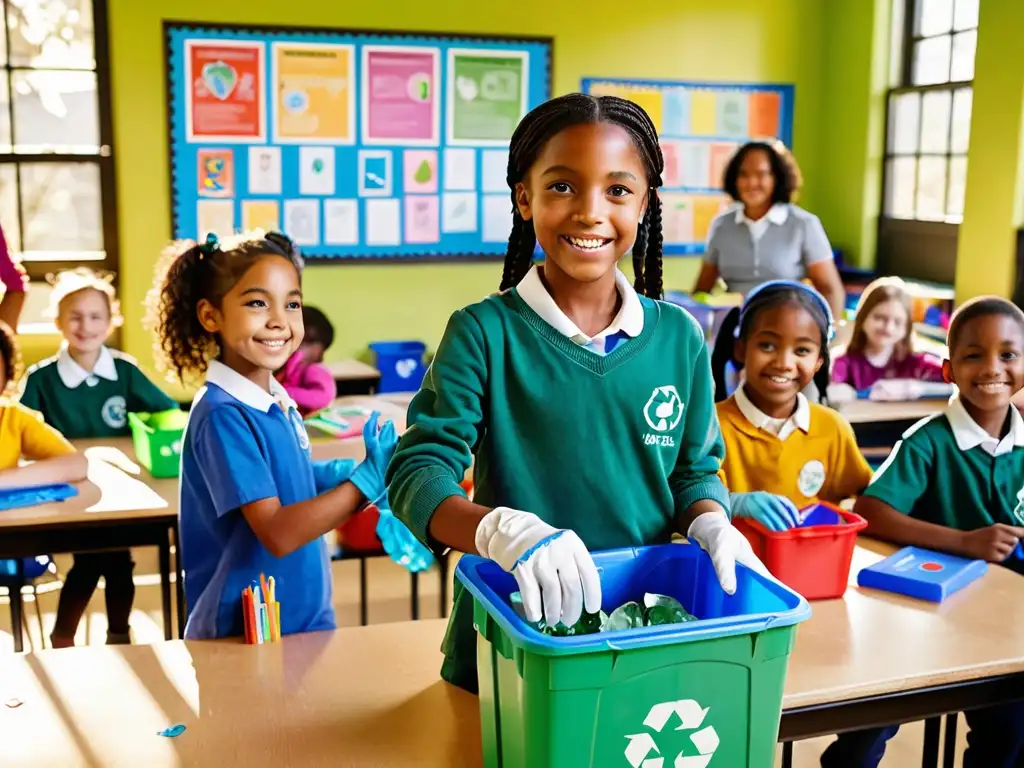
(969, 434)
(777, 214)
(247, 392)
(72, 374)
(629, 321)
(781, 428)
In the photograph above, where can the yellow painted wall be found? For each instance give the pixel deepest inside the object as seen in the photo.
(739, 40)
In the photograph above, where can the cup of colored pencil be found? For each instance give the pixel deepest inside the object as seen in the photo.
(261, 612)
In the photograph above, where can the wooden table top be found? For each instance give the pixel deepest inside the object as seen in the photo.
(864, 411)
(370, 696)
(352, 370)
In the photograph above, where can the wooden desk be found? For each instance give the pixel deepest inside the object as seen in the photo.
(353, 377)
(869, 411)
(370, 696)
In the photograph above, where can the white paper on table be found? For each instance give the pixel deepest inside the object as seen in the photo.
(316, 171)
(341, 222)
(459, 169)
(495, 170)
(217, 216)
(458, 212)
(383, 223)
(302, 221)
(264, 170)
(497, 218)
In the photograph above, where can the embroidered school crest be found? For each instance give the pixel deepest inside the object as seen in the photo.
(1018, 511)
(663, 412)
(115, 412)
(811, 478)
(300, 429)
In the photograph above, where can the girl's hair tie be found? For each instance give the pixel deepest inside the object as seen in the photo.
(211, 244)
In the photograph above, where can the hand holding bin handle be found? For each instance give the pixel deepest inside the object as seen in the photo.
(261, 613)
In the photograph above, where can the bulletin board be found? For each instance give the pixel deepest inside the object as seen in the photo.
(701, 126)
(358, 145)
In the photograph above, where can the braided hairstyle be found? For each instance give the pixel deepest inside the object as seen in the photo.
(549, 119)
(191, 272)
(10, 358)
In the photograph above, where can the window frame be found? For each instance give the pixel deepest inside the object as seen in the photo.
(103, 159)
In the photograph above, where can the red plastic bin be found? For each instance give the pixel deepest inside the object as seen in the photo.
(813, 560)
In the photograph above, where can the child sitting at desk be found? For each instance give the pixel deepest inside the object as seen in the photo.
(305, 377)
(24, 434)
(252, 501)
(87, 390)
(955, 483)
(781, 451)
(880, 357)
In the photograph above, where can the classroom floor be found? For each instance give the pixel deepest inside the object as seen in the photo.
(389, 601)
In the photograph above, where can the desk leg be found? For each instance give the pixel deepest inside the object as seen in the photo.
(362, 590)
(787, 754)
(930, 752)
(165, 583)
(949, 743)
(415, 600)
(179, 581)
(442, 565)
(17, 607)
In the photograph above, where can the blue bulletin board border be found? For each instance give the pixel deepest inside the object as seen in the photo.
(784, 132)
(461, 246)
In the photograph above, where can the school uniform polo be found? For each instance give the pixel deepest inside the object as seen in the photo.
(23, 433)
(627, 323)
(779, 246)
(81, 403)
(243, 444)
(809, 457)
(949, 471)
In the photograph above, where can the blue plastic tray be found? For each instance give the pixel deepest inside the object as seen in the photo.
(682, 571)
(923, 574)
(33, 495)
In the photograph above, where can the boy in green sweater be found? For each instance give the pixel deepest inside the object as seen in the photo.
(586, 401)
(87, 390)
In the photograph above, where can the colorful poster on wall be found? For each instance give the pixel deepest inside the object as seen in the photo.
(215, 173)
(763, 111)
(400, 95)
(489, 96)
(313, 93)
(261, 214)
(651, 99)
(226, 95)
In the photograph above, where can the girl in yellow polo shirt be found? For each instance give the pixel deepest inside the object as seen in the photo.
(24, 434)
(783, 453)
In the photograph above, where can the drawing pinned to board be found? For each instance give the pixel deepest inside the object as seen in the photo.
(422, 219)
(495, 170)
(676, 116)
(314, 98)
(375, 179)
(695, 164)
(216, 216)
(216, 173)
(490, 95)
(672, 175)
(458, 212)
(316, 171)
(420, 166)
(341, 222)
(721, 154)
(399, 95)
(459, 169)
(497, 218)
(383, 222)
(677, 217)
(261, 214)
(225, 99)
(264, 170)
(732, 114)
(302, 221)
(703, 113)
(763, 115)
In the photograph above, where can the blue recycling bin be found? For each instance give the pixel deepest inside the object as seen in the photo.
(401, 365)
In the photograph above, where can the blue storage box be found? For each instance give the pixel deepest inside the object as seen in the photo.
(401, 365)
(921, 573)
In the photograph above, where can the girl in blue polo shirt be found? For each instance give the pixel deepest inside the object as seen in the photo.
(252, 501)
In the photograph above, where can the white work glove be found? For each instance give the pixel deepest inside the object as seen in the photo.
(552, 566)
(727, 546)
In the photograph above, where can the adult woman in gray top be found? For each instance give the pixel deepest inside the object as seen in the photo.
(764, 236)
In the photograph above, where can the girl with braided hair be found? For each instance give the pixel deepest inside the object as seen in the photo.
(252, 501)
(586, 401)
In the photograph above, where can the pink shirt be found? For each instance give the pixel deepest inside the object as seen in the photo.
(310, 385)
(860, 374)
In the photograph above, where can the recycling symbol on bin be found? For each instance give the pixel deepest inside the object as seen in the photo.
(691, 717)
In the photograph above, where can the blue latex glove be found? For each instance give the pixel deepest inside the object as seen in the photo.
(776, 513)
(328, 475)
(368, 477)
(399, 542)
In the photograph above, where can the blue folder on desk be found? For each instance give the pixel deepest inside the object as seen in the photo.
(921, 573)
(33, 495)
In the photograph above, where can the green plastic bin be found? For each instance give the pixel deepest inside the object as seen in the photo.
(704, 693)
(157, 441)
